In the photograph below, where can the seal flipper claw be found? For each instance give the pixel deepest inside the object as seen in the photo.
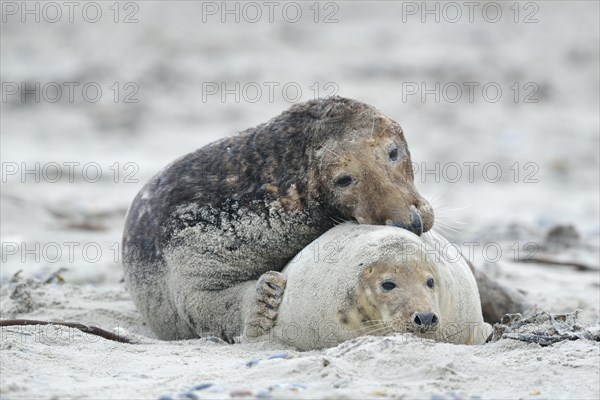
(277, 289)
(263, 312)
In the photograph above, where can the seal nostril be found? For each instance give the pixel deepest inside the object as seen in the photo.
(416, 223)
(434, 319)
(418, 320)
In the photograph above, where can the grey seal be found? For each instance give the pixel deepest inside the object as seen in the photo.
(230, 215)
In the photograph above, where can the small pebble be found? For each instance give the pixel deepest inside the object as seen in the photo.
(264, 394)
(165, 398)
(342, 383)
(202, 386)
(291, 386)
(216, 389)
(241, 393)
(214, 339)
(281, 354)
(378, 393)
(189, 395)
(252, 362)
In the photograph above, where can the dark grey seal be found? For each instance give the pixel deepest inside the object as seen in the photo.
(232, 214)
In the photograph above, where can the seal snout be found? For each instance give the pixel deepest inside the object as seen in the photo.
(425, 320)
(416, 223)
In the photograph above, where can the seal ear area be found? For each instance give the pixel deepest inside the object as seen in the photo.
(397, 153)
(387, 285)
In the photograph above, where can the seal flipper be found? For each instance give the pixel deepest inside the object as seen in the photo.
(264, 304)
(497, 299)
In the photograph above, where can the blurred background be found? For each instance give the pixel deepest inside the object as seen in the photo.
(499, 102)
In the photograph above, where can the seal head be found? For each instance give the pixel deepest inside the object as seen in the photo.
(368, 176)
(401, 294)
(359, 280)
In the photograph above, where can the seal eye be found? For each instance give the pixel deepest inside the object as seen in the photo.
(344, 181)
(430, 283)
(393, 153)
(388, 285)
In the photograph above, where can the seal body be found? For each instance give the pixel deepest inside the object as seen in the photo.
(230, 215)
(356, 280)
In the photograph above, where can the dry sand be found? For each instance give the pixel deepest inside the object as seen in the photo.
(61, 362)
(369, 54)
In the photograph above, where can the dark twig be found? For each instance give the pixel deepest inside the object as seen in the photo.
(542, 340)
(92, 330)
(546, 260)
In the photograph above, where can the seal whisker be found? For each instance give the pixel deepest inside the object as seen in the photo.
(367, 330)
(338, 221)
(440, 197)
(372, 326)
(442, 217)
(446, 224)
(372, 320)
(368, 327)
(379, 331)
(384, 129)
(450, 227)
(375, 328)
(373, 126)
(375, 322)
(444, 210)
(451, 222)
(441, 230)
(332, 152)
(447, 336)
(436, 234)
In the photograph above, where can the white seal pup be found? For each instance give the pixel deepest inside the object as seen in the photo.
(365, 279)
